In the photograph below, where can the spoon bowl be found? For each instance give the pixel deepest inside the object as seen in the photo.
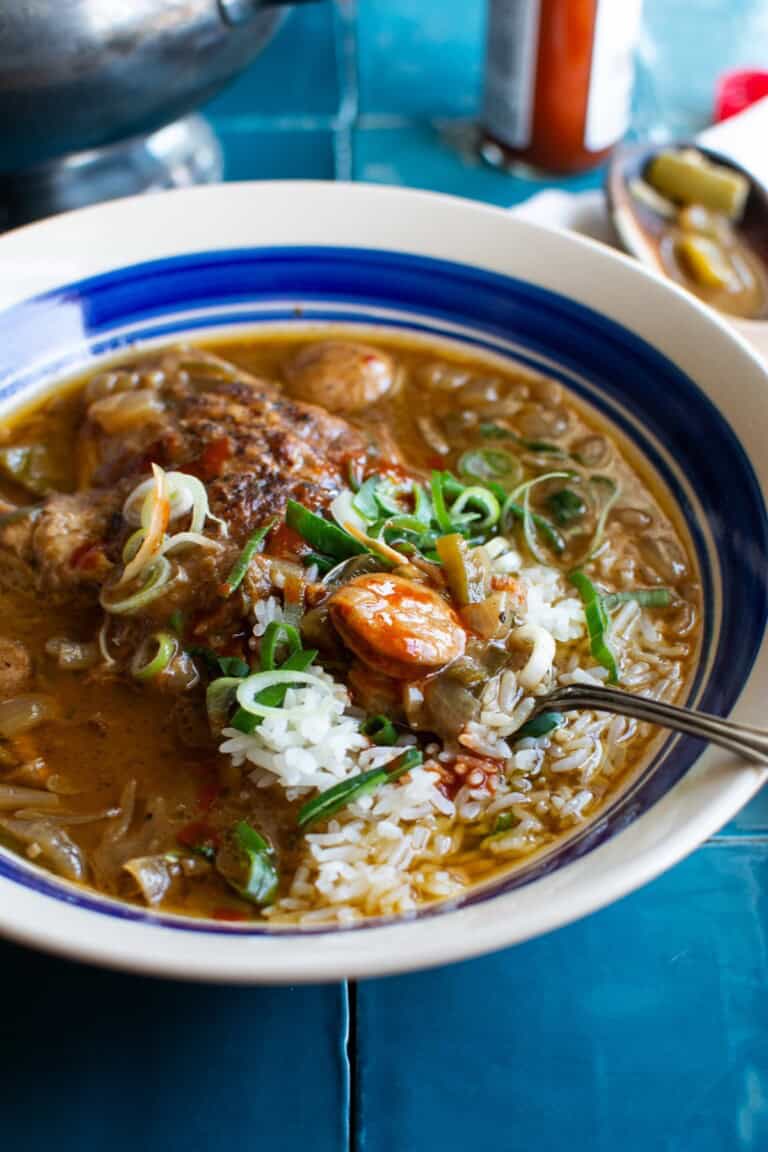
(743, 739)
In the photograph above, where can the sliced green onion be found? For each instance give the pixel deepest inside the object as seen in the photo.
(187, 540)
(185, 493)
(614, 491)
(322, 535)
(345, 513)
(273, 697)
(402, 522)
(422, 505)
(365, 499)
(328, 803)
(233, 666)
(566, 505)
(380, 730)
(481, 498)
(166, 647)
(249, 690)
(217, 665)
(176, 622)
(451, 486)
(513, 510)
(498, 432)
(277, 633)
(442, 516)
(235, 578)
(542, 446)
(490, 464)
(158, 574)
(597, 623)
(645, 597)
(132, 545)
(247, 863)
(388, 495)
(531, 521)
(219, 698)
(504, 822)
(323, 564)
(540, 725)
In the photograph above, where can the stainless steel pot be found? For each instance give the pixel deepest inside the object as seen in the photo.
(79, 74)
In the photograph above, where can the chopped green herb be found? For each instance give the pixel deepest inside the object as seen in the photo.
(328, 803)
(504, 821)
(235, 577)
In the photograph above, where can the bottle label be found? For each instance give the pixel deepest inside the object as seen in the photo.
(513, 38)
(610, 82)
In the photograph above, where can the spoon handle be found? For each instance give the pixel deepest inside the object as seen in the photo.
(752, 743)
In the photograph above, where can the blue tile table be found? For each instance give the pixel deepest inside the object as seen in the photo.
(644, 1027)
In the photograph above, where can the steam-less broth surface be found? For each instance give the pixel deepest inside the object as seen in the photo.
(457, 497)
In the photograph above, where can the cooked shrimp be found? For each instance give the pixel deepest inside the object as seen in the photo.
(340, 376)
(396, 626)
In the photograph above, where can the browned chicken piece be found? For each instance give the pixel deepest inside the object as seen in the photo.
(15, 667)
(396, 626)
(342, 376)
(253, 447)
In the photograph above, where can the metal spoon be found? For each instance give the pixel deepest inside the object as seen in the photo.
(752, 743)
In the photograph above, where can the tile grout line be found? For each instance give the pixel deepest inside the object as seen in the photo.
(353, 1102)
(345, 14)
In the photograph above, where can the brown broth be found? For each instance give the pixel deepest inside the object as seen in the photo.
(111, 731)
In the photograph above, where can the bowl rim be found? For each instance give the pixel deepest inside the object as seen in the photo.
(81, 244)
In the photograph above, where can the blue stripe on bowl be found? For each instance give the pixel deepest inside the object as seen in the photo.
(672, 423)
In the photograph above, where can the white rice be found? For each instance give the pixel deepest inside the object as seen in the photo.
(410, 842)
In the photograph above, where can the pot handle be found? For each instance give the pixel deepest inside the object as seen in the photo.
(236, 12)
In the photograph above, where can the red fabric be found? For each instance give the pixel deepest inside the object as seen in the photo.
(737, 90)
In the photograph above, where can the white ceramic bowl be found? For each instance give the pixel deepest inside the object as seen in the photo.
(664, 367)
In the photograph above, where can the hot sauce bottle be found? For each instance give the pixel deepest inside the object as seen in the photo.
(558, 82)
